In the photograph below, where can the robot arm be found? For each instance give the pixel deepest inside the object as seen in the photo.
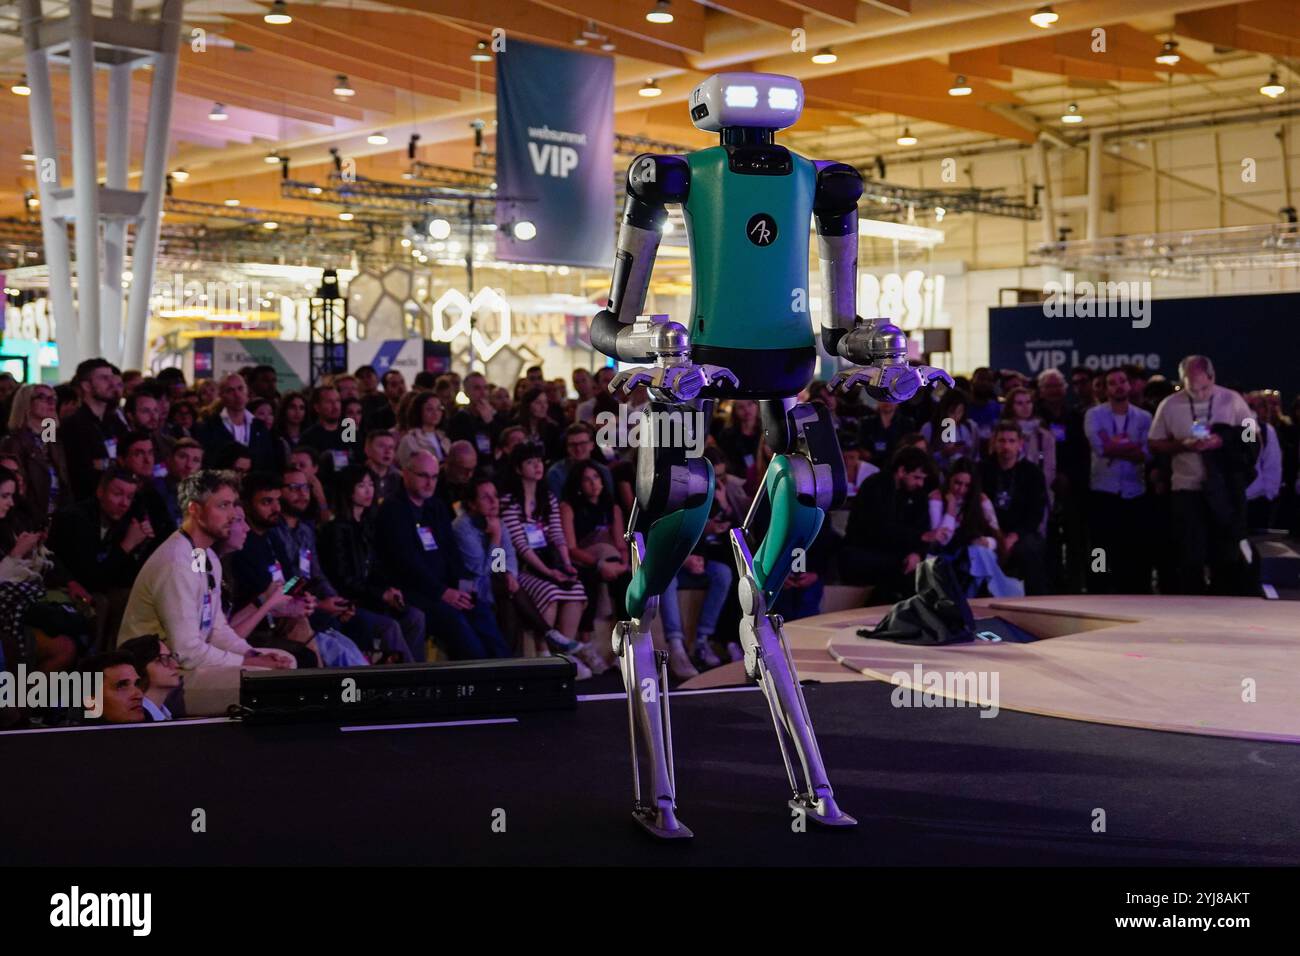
(652, 183)
(878, 345)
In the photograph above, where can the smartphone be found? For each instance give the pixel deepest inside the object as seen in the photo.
(290, 584)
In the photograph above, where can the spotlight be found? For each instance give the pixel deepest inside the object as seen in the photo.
(524, 230)
(180, 175)
(342, 87)
(218, 113)
(231, 202)
(1043, 17)
(439, 229)
(960, 87)
(315, 190)
(21, 88)
(1072, 115)
(1273, 88)
(406, 243)
(278, 15)
(1168, 54)
(346, 216)
(651, 88)
(906, 139)
(660, 12)
(481, 52)
(270, 224)
(377, 139)
(824, 55)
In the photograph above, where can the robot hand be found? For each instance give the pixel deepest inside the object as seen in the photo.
(889, 382)
(672, 383)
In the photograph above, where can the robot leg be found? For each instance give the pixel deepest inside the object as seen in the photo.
(798, 487)
(656, 558)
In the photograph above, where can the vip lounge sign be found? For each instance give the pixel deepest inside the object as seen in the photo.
(555, 155)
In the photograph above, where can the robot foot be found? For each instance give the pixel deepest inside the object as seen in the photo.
(824, 811)
(662, 822)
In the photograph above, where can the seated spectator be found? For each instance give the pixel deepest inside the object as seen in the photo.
(185, 459)
(422, 421)
(136, 457)
(144, 409)
(532, 414)
(739, 440)
(508, 439)
(177, 595)
(349, 558)
(531, 515)
(593, 531)
(290, 422)
(984, 410)
(233, 457)
(587, 407)
(579, 444)
(33, 429)
(383, 414)
(476, 423)
(948, 434)
(307, 460)
(458, 471)
(160, 674)
(122, 699)
(880, 431)
(966, 528)
(1019, 495)
(418, 554)
(888, 532)
(327, 435)
(801, 595)
(380, 452)
(181, 419)
(856, 468)
(232, 422)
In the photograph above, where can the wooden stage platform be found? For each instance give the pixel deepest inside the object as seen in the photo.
(1217, 666)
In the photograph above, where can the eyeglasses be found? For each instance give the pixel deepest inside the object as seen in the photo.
(298, 486)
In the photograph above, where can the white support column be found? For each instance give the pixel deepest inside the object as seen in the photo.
(49, 178)
(1045, 197)
(1094, 185)
(85, 173)
(116, 159)
(151, 183)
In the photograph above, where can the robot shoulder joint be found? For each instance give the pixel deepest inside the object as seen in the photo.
(839, 187)
(659, 180)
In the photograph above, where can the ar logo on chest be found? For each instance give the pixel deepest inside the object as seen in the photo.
(761, 229)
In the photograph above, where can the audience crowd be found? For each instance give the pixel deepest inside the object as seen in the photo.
(168, 535)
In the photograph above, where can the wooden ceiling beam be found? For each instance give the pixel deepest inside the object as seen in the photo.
(685, 33)
(770, 13)
(844, 12)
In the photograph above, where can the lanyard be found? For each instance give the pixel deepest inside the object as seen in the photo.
(1209, 411)
(1123, 429)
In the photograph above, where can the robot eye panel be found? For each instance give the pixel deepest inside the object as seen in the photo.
(759, 100)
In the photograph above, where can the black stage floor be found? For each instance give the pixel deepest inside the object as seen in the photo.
(937, 786)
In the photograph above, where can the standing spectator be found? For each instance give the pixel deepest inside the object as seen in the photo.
(422, 427)
(739, 440)
(531, 515)
(1208, 507)
(476, 423)
(232, 423)
(1118, 510)
(888, 532)
(89, 435)
(160, 674)
(31, 440)
(983, 410)
(418, 554)
(1067, 527)
(1019, 495)
(350, 560)
(1263, 491)
(1038, 443)
(177, 595)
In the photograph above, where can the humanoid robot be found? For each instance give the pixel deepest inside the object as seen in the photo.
(747, 204)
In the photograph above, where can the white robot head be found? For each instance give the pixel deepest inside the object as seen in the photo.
(756, 100)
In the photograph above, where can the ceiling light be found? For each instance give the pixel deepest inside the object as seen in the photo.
(21, 88)
(939, 213)
(580, 40)
(406, 243)
(271, 158)
(906, 139)
(660, 12)
(524, 230)
(608, 46)
(342, 87)
(1072, 114)
(232, 202)
(481, 54)
(180, 175)
(278, 15)
(824, 55)
(1273, 88)
(376, 139)
(1168, 54)
(960, 87)
(1043, 17)
(270, 224)
(439, 228)
(315, 190)
(29, 155)
(218, 113)
(346, 216)
(651, 88)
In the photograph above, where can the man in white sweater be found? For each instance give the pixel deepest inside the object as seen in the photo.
(177, 595)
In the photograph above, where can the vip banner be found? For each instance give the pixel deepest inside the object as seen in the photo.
(555, 156)
(1253, 340)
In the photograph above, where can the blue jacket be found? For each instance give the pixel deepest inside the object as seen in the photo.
(402, 555)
